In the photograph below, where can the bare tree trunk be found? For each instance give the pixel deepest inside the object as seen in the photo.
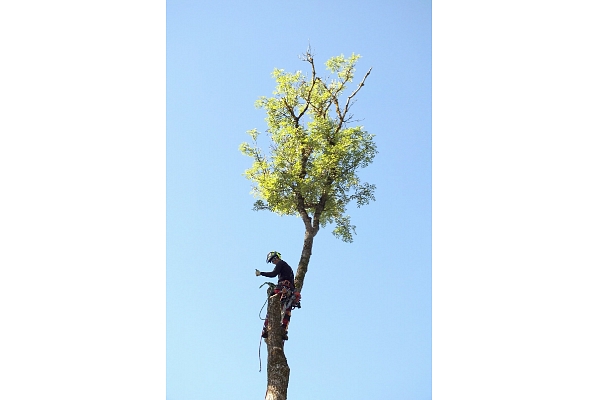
(304, 259)
(278, 371)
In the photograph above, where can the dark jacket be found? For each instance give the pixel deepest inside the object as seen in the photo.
(283, 272)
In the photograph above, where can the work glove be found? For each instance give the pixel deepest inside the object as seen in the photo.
(257, 272)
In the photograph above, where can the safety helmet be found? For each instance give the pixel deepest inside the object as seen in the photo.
(272, 255)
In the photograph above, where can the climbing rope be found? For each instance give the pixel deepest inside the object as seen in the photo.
(263, 306)
(289, 301)
(259, 360)
(270, 290)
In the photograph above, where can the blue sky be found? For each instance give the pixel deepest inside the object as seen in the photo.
(364, 330)
(99, 200)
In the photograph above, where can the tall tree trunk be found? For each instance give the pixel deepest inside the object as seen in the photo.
(304, 259)
(278, 371)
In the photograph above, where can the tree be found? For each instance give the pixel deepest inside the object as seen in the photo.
(310, 170)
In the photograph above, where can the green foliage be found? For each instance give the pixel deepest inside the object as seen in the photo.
(311, 167)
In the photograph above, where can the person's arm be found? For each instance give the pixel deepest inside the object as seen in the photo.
(273, 273)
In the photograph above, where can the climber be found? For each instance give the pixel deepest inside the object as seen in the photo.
(285, 286)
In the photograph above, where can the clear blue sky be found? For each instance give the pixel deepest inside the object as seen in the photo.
(364, 329)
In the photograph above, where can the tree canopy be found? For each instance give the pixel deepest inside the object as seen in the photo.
(315, 151)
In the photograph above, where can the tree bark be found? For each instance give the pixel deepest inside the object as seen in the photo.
(278, 371)
(304, 259)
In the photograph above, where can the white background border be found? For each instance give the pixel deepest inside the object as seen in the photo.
(515, 200)
(82, 210)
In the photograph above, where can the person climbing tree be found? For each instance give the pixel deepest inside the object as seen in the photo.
(309, 169)
(285, 287)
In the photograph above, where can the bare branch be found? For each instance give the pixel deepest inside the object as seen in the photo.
(337, 106)
(362, 83)
(301, 208)
(314, 75)
(290, 110)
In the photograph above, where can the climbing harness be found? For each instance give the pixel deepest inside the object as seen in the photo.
(290, 300)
